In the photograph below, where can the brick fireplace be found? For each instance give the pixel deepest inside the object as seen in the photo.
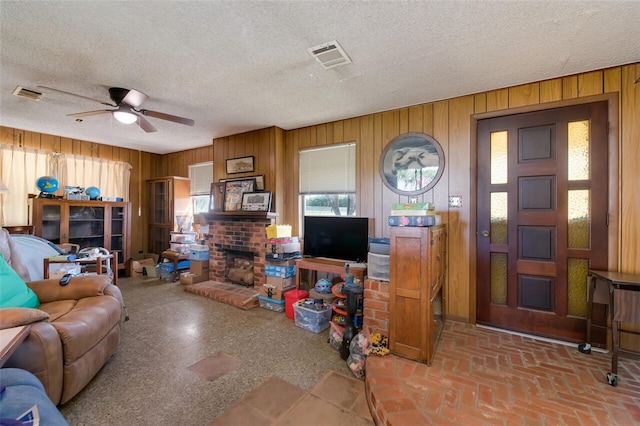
(233, 232)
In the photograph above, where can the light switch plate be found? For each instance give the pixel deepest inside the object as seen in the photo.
(455, 201)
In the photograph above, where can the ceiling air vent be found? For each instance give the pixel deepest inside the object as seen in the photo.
(329, 54)
(26, 93)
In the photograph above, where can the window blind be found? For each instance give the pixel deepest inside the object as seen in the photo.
(201, 176)
(328, 170)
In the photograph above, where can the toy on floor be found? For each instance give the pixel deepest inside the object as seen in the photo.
(379, 344)
(358, 350)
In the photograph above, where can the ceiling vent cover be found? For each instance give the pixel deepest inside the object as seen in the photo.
(26, 93)
(329, 54)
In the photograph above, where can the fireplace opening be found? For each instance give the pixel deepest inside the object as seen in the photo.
(239, 269)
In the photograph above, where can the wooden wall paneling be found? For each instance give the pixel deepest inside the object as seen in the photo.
(6, 135)
(551, 90)
(461, 226)
(403, 121)
(382, 229)
(570, 87)
(416, 119)
(31, 139)
(304, 139)
(366, 196)
(590, 83)
(523, 95)
(611, 80)
(66, 145)
(629, 155)
(321, 134)
(480, 103)
(390, 129)
(277, 178)
(330, 131)
(291, 214)
(338, 132)
(497, 100)
(427, 119)
(351, 130)
(50, 143)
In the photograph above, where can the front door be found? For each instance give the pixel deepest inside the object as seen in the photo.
(542, 218)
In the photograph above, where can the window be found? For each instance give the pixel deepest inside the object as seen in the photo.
(328, 180)
(201, 176)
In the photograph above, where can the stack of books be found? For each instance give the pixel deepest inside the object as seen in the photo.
(413, 214)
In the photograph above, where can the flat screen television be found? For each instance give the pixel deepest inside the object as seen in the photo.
(336, 237)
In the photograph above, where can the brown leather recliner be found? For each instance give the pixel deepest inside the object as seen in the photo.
(74, 331)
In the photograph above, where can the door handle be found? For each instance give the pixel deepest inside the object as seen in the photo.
(485, 233)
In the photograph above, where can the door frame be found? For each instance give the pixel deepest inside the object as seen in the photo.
(613, 208)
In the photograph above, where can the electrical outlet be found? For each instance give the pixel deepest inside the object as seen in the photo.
(455, 201)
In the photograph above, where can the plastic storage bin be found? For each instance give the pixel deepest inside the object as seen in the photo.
(291, 297)
(272, 304)
(378, 266)
(279, 271)
(311, 319)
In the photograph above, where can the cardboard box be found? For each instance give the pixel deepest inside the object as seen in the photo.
(140, 268)
(267, 290)
(131, 266)
(199, 267)
(281, 282)
(279, 271)
(188, 278)
(278, 231)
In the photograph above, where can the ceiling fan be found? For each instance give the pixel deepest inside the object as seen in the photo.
(127, 103)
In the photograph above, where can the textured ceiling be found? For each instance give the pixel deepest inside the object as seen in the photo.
(242, 65)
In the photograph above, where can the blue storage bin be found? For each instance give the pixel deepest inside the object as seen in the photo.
(168, 266)
(280, 271)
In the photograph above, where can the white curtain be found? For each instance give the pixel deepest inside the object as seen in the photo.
(19, 170)
(110, 177)
(21, 167)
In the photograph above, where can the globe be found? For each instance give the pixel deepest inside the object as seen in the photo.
(47, 184)
(92, 192)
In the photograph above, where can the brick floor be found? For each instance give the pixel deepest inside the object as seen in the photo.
(485, 377)
(229, 293)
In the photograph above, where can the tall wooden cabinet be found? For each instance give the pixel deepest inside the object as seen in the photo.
(417, 276)
(86, 223)
(169, 203)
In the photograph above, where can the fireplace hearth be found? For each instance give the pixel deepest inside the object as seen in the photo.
(239, 268)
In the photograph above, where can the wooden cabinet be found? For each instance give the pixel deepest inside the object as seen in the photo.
(417, 275)
(85, 223)
(169, 210)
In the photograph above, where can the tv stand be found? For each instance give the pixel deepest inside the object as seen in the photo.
(332, 266)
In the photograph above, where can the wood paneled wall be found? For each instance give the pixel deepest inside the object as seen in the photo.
(451, 122)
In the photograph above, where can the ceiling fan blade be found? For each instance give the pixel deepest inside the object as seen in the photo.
(145, 124)
(134, 98)
(168, 117)
(77, 96)
(89, 113)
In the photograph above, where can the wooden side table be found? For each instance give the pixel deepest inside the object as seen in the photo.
(326, 265)
(100, 262)
(10, 339)
(624, 306)
(175, 257)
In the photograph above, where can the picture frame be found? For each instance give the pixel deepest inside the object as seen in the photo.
(411, 164)
(259, 181)
(233, 191)
(258, 201)
(240, 165)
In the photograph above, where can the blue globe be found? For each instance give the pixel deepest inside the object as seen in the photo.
(92, 192)
(47, 184)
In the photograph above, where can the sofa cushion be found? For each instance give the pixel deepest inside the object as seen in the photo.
(14, 292)
(58, 309)
(86, 324)
(14, 317)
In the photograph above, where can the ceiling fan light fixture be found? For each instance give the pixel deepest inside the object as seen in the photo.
(124, 115)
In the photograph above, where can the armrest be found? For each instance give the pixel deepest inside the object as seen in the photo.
(14, 317)
(79, 287)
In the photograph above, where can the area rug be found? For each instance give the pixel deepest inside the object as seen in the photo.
(229, 293)
(215, 365)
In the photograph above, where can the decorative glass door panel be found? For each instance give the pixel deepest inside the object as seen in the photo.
(86, 226)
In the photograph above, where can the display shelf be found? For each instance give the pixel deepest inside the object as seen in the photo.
(337, 310)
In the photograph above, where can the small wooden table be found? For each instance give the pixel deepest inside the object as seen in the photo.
(175, 257)
(10, 339)
(332, 266)
(98, 261)
(616, 282)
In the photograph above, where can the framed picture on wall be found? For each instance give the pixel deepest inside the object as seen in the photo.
(240, 165)
(233, 191)
(259, 201)
(259, 181)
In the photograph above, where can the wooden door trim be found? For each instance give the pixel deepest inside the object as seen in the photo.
(614, 238)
